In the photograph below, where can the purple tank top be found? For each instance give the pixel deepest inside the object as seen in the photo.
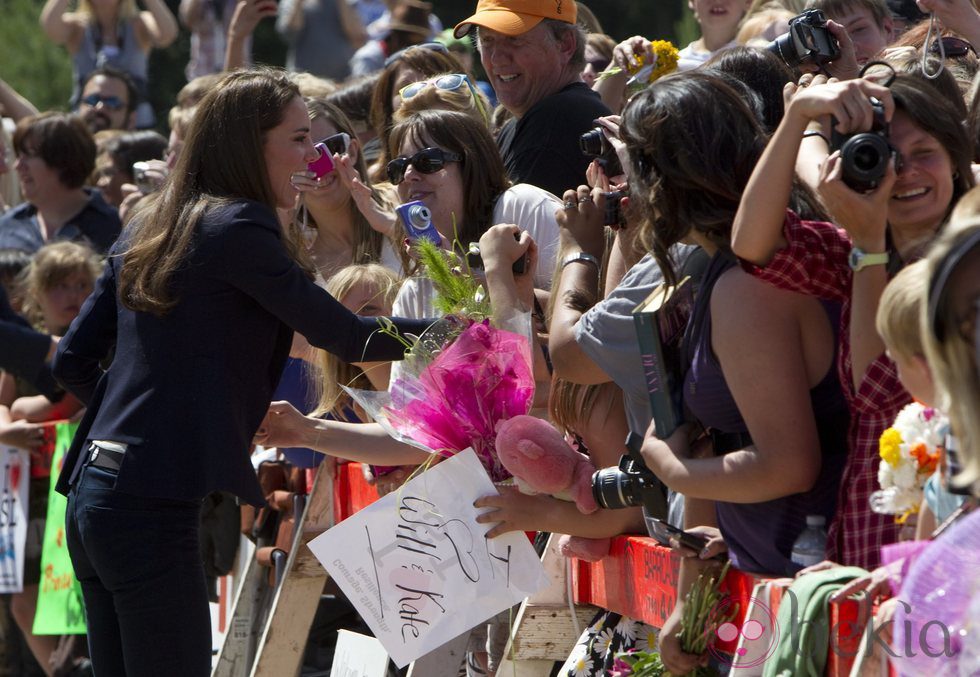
(760, 536)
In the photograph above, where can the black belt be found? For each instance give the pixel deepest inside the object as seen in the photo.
(104, 458)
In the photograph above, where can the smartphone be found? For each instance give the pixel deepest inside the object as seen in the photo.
(338, 144)
(418, 222)
(685, 538)
(323, 165)
(140, 178)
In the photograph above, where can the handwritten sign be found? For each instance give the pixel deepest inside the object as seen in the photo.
(417, 567)
(15, 467)
(60, 610)
(358, 656)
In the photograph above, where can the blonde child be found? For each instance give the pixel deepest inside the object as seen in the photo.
(55, 284)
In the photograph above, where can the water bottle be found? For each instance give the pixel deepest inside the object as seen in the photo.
(810, 546)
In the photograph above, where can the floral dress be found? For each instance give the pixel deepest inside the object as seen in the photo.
(608, 634)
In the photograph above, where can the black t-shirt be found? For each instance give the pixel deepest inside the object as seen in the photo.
(542, 147)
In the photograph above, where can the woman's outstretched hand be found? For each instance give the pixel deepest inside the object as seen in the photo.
(285, 426)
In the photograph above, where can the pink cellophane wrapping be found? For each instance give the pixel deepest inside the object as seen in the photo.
(482, 378)
(942, 591)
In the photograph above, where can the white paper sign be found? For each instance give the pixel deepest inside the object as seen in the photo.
(417, 567)
(358, 655)
(15, 467)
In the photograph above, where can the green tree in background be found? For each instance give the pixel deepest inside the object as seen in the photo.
(42, 71)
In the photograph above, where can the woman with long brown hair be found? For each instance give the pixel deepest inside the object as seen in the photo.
(198, 303)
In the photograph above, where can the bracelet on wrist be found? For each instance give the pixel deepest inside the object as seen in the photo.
(813, 132)
(581, 257)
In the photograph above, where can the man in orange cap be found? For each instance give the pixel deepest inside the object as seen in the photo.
(534, 53)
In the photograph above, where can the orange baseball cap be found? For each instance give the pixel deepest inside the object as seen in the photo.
(515, 17)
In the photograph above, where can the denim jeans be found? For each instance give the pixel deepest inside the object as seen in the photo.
(139, 564)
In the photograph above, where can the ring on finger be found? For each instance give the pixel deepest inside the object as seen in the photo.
(569, 204)
(585, 198)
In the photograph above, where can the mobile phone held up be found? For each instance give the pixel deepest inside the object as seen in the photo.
(323, 165)
(417, 219)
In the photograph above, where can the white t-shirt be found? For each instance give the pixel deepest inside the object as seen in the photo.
(689, 59)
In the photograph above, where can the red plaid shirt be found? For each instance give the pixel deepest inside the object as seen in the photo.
(815, 263)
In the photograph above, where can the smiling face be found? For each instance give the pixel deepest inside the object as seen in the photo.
(719, 16)
(288, 148)
(524, 69)
(61, 303)
(868, 37)
(441, 191)
(922, 194)
(110, 107)
(37, 178)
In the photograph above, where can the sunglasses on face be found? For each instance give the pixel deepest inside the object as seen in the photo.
(111, 102)
(337, 144)
(431, 46)
(599, 65)
(952, 47)
(427, 161)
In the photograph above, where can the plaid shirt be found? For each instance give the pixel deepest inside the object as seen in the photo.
(815, 263)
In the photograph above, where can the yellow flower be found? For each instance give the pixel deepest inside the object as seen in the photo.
(665, 58)
(889, 447)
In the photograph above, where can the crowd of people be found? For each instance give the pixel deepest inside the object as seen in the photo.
(189, 296)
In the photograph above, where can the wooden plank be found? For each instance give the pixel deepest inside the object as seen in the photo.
(546, 631)
(283, 640)
(238, 649)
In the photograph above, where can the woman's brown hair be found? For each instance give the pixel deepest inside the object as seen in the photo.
(222, 160)
(482, 170)
(426, 62)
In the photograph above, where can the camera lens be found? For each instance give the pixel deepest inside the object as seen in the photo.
(612, 489)
(593, 142)
(864, 160)
(419, 216)
(785, 49)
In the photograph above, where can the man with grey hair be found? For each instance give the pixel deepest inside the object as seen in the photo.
(533, 53)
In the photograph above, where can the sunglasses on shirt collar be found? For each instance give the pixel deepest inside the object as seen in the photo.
(111, 102)
(427, 161)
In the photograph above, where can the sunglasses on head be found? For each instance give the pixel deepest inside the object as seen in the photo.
(427, 161)
(337, 144)
(431, 46)
(448, 83)
(952, 47)
(113, 102)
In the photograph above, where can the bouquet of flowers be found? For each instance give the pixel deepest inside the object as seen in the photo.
(664, 61)
(700, 621)
(461, 378)
(909, 451)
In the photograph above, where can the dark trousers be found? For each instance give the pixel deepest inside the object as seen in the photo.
(139, 564)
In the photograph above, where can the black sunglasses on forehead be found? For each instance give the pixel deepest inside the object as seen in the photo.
(427, 161)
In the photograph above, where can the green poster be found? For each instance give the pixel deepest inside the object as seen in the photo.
(59, 602)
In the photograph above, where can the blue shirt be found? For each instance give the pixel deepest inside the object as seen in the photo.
(97, 225)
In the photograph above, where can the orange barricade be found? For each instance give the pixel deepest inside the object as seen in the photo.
(639, 579)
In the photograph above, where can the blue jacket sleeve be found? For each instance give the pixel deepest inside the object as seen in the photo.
(250, 255)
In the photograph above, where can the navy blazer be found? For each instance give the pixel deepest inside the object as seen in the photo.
(187, 390)
(23, 351)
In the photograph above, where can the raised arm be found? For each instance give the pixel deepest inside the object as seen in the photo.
(159, 24)
(13, 105)
(248, 14)
(757, 229)
(59, 28)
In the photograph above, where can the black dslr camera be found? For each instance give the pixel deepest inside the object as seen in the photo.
(594, 144)
(629, 484)
(808, 41)
(865, 155)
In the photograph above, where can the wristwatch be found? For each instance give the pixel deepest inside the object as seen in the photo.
(860, 259)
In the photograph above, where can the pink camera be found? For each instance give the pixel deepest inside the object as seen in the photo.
(323, 165)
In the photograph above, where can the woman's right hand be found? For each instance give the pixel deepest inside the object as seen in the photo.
(674, 658)
(22, 435)
(285, 426)
(714, 545)
(581, 221)
(305, 182)
(378, 217)
(848, 101)
(625, 53)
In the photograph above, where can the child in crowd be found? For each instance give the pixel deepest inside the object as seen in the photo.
(57, 281)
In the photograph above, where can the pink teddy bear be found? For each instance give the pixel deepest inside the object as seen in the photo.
(542, 462)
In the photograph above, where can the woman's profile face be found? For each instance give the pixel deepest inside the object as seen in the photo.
(923, 192)
(37, 178)
(288, 148)
(441, 191)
